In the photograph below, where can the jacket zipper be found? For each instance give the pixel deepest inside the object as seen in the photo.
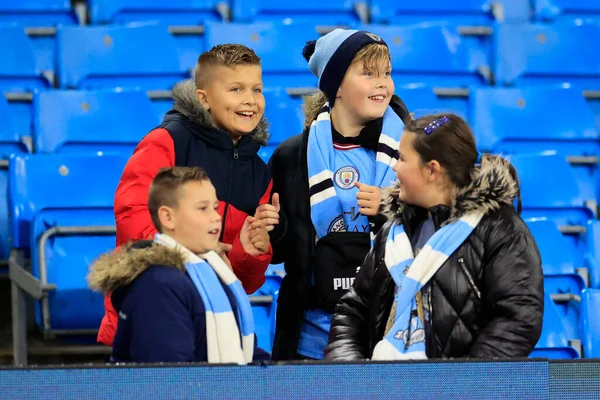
(465, 270)
(231, 176)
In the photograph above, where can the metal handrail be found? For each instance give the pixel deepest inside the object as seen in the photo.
(43, 268)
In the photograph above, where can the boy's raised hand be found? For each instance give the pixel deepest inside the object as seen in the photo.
(268, 214)
(255, 237)
(369, 199)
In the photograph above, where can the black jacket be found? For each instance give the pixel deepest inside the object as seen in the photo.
(487, 300)
(293, 239)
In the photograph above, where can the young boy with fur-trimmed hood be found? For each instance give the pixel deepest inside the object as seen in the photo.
(328, 180)
(217, 122)
(176, 296)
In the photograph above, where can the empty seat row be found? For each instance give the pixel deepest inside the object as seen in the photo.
(504, 120)
(507, 120)
(193, 12)
(153, 58)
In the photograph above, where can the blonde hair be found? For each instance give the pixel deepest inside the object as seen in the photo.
(226, 55)
(373, 56)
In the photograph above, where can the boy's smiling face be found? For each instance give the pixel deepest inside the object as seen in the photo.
(234, 98)
(366, 91)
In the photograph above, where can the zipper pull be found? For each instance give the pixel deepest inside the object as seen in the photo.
(235, 154)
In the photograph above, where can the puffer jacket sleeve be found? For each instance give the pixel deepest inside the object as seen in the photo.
(349, 333)
(512, 294)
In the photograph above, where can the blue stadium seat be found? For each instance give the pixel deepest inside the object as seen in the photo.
(559, 260)
(513, 121)
(554, 342)
(432, 54)
(473, 12)
(426, 100)
(262, 310)
(173, 12)
(266, 152)
(551, 10)
(542, 53)
(19, 69)
(62, 210)
(279, 46)
(562, 202)
(10, 143)
(38, 13)
(82, 121)
(20, 75)
(590, 323)
(593, 254)
(562, 267)
(284, 113)
(331, 12)
(135, 57)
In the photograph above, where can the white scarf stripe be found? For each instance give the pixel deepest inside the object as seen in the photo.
(320, 177)
(406, 338)
(391, 142)
(322, 196)
(387, 160)
(209, 273)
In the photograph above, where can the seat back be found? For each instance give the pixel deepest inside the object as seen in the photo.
(91, 121)
(279, 46)
(543, 54)
(19, 69)
(551, 10)
(472, 12)
(71, 182)
(38, 12)
(553, 342)
(263, 311)
(562, 203)
(590, 323)
(433, 54)
(129, 57)
(333, 12)
(174, 12)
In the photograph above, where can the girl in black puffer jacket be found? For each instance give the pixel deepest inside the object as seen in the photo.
(454, 272)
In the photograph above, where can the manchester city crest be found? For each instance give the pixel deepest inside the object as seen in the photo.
(346, 177)
(337, 225)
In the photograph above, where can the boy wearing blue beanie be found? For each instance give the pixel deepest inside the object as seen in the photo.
(328, 180)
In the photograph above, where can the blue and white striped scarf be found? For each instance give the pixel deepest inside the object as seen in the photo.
(325, 207)
(216, 284)
(406, 339)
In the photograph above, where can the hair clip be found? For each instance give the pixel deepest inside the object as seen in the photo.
(478, 159)
(436, 124)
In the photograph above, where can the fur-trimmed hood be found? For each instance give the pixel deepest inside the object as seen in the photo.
(186, 103)
(492, 186)
(120, 268)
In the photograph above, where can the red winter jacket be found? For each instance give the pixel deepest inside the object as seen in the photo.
(187, 137)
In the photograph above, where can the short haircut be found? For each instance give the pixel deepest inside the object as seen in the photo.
(165, 188)
(226, 55)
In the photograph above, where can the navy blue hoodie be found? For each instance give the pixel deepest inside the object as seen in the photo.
(161, 313)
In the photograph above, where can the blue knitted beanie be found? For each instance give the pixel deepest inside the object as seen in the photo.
(330, 57)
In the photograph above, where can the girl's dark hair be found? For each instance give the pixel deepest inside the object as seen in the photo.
(452, 144)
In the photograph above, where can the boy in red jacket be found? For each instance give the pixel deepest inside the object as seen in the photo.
(217, 123)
